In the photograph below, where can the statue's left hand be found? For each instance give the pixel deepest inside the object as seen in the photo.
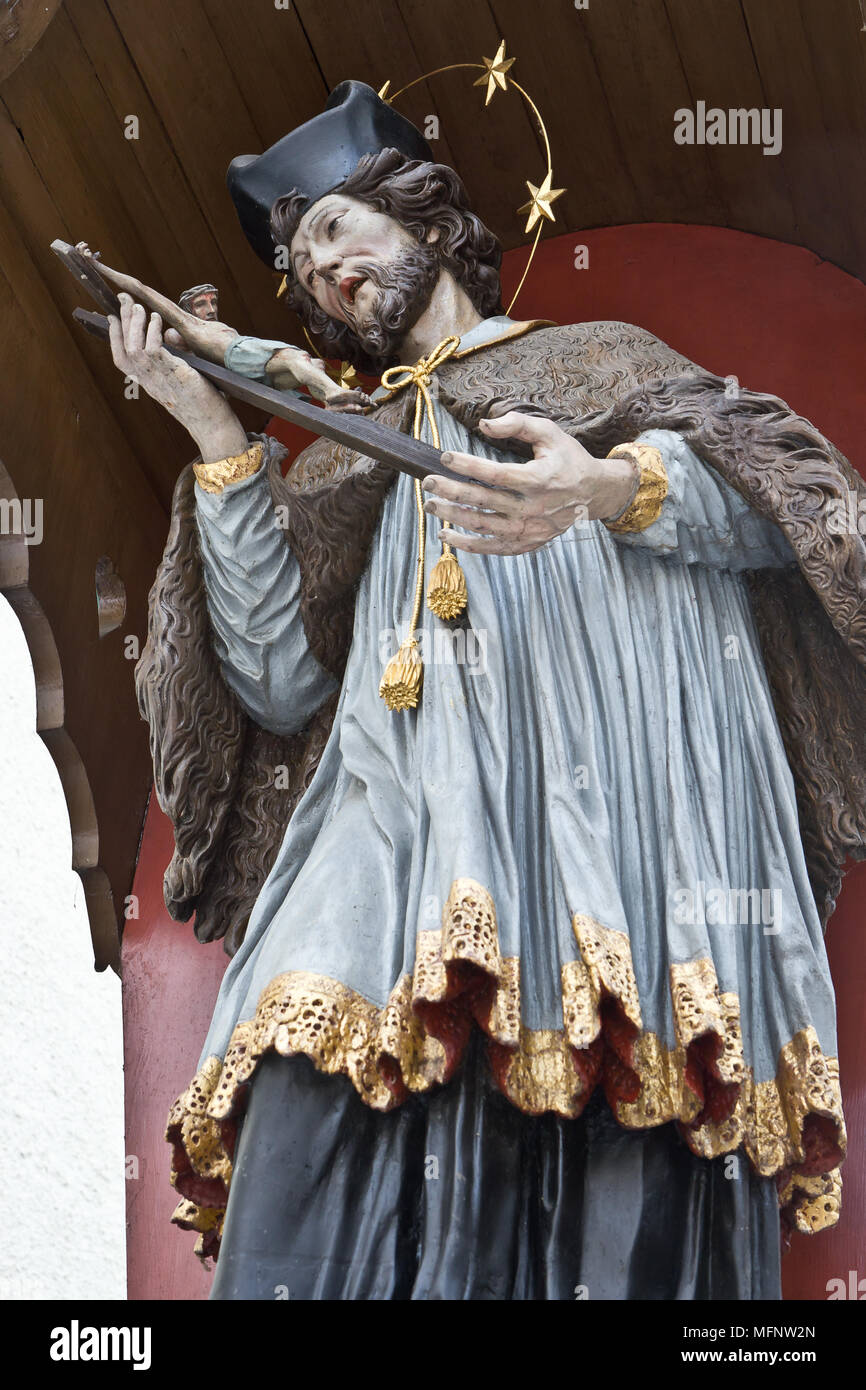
(561, 487)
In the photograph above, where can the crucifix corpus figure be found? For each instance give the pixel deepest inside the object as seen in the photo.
(520, 798)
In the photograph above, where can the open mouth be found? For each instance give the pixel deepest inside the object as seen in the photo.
(349, 287)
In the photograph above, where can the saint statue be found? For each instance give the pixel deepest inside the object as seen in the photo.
(520, 797)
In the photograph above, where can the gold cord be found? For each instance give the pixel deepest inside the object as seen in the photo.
(400, 686)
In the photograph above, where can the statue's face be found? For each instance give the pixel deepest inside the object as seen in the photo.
(344, 252)
(204, 305)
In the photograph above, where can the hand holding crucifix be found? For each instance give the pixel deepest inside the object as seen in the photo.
(137, 346)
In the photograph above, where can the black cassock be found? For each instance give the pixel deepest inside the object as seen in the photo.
(459, 1195)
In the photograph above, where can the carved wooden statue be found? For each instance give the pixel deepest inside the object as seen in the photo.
(520, 799)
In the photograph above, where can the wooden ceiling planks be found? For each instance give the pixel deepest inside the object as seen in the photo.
(177, 237)
(716, 53)
(39, 314)
(587, 151)
(205, 118)
(643, 76)
(55, 118)
(274, 66)
(840, 69)
(825, 168)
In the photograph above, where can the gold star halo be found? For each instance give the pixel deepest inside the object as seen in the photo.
(495, 77)
(496, 68)
(539, 204)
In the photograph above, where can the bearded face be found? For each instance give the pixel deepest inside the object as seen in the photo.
(404, 287)
(365, 273)
(366, 258)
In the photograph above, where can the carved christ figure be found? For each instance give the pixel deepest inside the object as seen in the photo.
(528, 993)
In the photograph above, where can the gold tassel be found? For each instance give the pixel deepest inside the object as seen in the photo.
(446, 592)
(400, 686)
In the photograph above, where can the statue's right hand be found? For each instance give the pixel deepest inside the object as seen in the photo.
(138, 351)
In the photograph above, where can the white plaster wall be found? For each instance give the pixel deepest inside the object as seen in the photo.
(62, 1200)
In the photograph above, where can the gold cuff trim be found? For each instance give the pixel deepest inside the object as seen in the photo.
(652, 489)
(214, 477)
(793, 1122)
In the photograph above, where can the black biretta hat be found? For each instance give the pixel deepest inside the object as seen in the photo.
(318, 157)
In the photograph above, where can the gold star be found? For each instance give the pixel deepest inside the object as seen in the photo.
(495, 75)
(346, 375)
(383, 90)
(539, 204)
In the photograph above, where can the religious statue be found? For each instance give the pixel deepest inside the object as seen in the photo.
(520, 794)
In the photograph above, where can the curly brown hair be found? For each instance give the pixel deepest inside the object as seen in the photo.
(419, 195)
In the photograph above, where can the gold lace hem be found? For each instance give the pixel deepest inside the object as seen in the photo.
(791, 1127)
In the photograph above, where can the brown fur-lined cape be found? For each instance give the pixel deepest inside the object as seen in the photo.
(604, 383)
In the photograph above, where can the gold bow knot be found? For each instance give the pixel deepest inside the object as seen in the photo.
(420, 375)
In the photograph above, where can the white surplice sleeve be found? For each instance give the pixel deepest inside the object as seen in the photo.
(253, 584)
